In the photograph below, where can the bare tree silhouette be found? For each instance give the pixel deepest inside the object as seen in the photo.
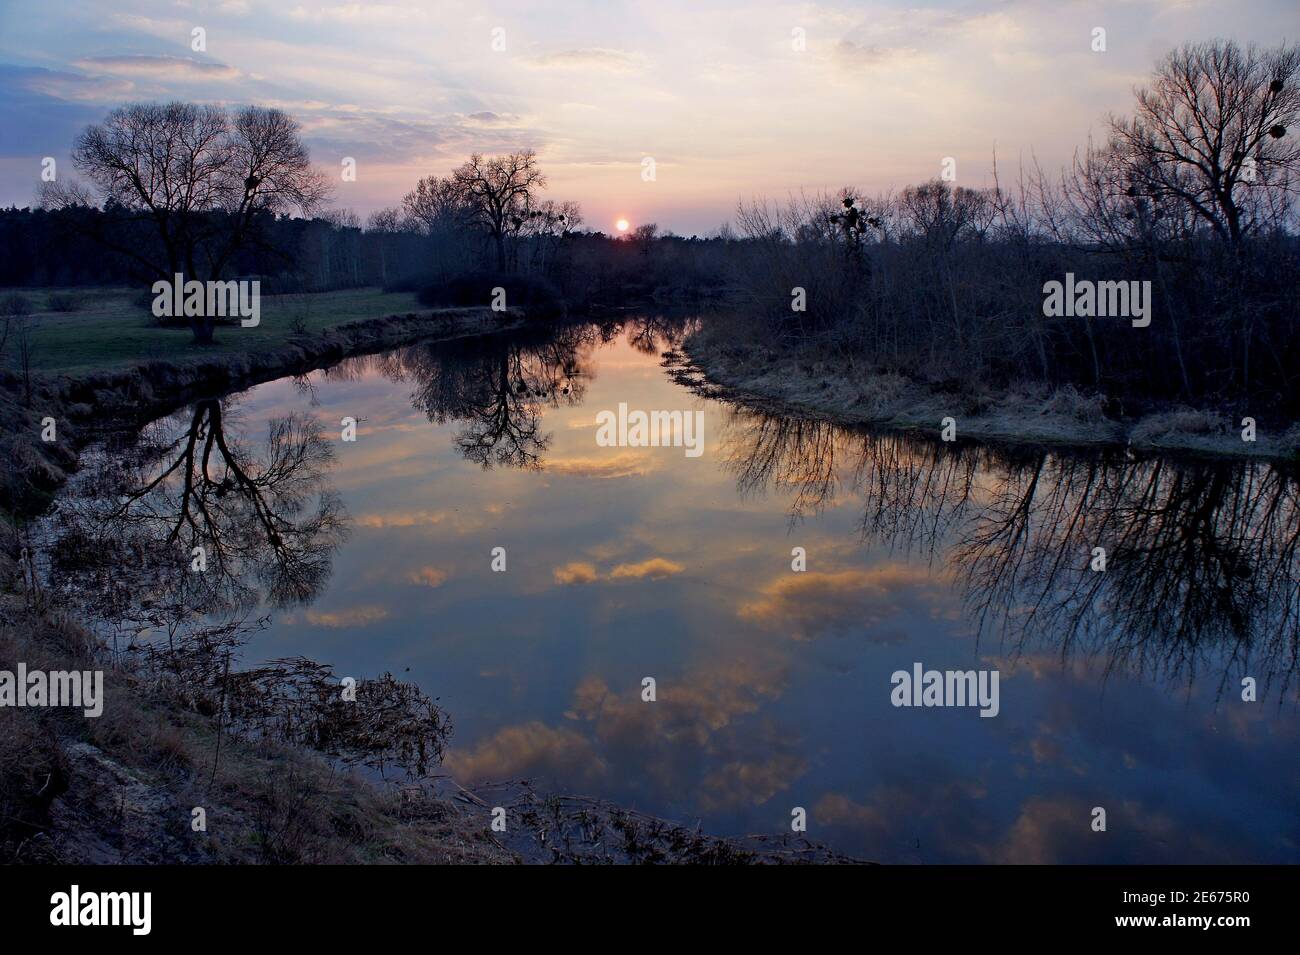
(498, 387)
(1203, 558)
(267, 523)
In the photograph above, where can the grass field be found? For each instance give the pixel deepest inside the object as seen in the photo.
(110, 329)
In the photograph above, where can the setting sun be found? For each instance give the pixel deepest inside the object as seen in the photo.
(621, 225)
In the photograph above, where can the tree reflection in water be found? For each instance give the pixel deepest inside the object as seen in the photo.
(122, 548)
(267, 522)
(499, 388)
(1202, 564)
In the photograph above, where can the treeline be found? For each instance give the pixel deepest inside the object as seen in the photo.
(959, 300)
(1194, 195)
(489, 225)
(50, 248)
(57, 247)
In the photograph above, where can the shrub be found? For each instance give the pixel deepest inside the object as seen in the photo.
(63, 302)
(15, 306)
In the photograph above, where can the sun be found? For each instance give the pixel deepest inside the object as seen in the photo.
(621, 225)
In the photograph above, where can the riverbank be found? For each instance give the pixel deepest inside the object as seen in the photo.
(783, 382)
(94, 400)
(124, 787)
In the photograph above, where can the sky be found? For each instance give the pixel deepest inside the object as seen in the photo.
(731, 99)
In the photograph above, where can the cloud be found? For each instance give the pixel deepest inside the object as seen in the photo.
(656, 568)
(359, 14)
(1058, 829)
(751, 782)
(812, 604)
(691, 708)
(687, 740)
(393, 138)
(585, 572)
(866, 55)
(593, 59)
(428, 577)
(578, 572)
(160, 67)
(953, 812)
(623, 465)
(167, 29)
(408, 519)
(350, 617)
(836, 809)
(41, 112)
(527, 750)
(78, 86)
(488, 118)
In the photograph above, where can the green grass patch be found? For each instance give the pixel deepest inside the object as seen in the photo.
(110, 329)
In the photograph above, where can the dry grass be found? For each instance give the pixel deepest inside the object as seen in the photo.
(122, 787)
(817, 386)
(580, 830)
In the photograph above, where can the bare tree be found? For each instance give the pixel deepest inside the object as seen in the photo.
(15, 315)
(942, 214)
(436, 206)
(548, 226)
(1211, 131)
(195, 177)
(384, 223)
(500, 194)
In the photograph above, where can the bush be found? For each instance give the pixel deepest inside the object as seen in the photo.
(15, 306)
(63, 302)
(534, 294)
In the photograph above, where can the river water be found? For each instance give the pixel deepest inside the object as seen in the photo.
(1119, 689)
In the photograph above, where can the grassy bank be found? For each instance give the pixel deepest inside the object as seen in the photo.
(109, 329)
(783, 380)
(89, 393)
